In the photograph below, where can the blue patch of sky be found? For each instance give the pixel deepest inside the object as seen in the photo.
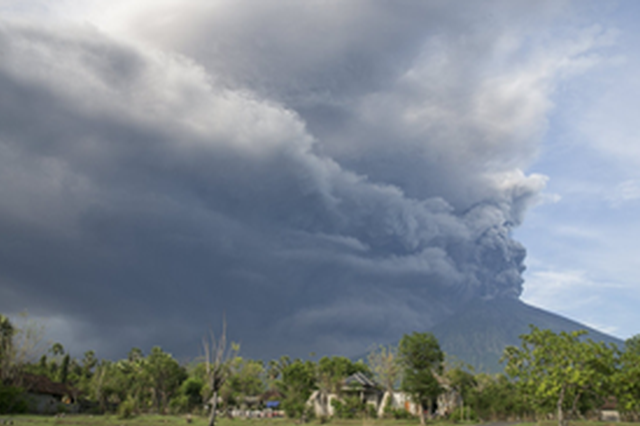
(582, 249)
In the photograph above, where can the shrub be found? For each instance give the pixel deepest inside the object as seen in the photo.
(309, 414)
(294, 408)
(348, 408)
(192, 389)
(324, 419)
(371, 411)
(127, 409)
(461, 415)
(397, 413)
(179, 405)
(12, 400)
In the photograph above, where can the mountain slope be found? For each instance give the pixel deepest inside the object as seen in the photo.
(478, 334)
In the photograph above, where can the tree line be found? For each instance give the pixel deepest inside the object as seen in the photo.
(566, 374)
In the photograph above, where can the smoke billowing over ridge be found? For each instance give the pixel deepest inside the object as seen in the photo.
(329, 175)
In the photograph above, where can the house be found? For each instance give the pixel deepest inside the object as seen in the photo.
(371, 393)
(47, 397)
(609, 411)
(364, 388)
(358, 385)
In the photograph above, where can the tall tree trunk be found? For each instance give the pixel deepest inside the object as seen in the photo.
(574, 406)
(165, 402)
(421, 413)
(214, 407)
(561, 421)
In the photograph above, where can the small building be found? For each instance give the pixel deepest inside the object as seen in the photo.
(370, 393)
(358, 385)
(47, 397)
(609, 411)
(364, 388)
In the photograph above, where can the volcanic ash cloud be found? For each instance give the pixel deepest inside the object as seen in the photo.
(322, 204)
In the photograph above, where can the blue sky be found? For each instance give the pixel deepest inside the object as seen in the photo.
(334, 174)
(582, 243)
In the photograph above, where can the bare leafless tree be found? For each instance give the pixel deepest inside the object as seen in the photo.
(384, 364)
(218, 359)
(19, 345)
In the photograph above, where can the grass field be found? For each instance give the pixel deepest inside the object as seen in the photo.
(152, 420)
(578, 423)
(149, 420)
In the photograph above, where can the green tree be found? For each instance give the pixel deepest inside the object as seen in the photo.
(165, 376)
(191, 389)
(10, 396)
(7, 332)
(89, 362)
(82, 372)
(55, 361)
(331, 372)
(496, 398)
(110, 384)
(42, 368)
(627, 378)
(57, 349)
(461, 381)
(131, 373)
(101, 386)
(63, 375)
(275, 367)
(113, 383)
(297, 384)
(560, 370)
(247, 379)
(135, 355)
(421, 359)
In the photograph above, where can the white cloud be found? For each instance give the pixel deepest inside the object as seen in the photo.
(625, 192)
(576, 294)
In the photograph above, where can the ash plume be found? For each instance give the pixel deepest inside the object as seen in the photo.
(330, 176)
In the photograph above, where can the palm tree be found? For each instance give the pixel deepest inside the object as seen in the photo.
(57, 349)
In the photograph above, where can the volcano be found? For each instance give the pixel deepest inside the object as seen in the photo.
(478, 333)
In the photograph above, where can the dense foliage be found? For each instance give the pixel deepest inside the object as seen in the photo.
(561, 371)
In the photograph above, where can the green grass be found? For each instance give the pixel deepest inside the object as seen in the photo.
(578, 423)
(156, 420)
(152, 420)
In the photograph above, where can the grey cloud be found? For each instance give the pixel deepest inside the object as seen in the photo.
(229, 169)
